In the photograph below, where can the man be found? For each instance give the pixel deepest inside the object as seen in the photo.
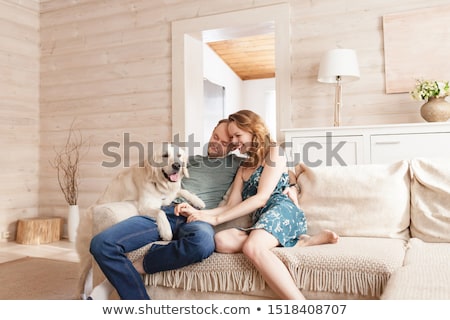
(210, 178)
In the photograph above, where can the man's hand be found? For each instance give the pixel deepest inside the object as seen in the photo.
(292, 192)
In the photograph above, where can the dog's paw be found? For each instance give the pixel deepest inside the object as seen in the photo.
(165, 231)
(165, 234)
(199, 204)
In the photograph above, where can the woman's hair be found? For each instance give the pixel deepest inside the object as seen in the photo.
(252, 123)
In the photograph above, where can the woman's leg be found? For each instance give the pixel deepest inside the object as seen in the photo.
(258, 249)
(230, 240)
(323, 237)
(110, 246)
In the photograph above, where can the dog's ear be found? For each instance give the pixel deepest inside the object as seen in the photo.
(150, 170)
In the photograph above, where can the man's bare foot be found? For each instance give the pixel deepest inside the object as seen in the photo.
(139, 265)
(323, 237)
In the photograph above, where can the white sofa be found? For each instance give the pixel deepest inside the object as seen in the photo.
(394, 227)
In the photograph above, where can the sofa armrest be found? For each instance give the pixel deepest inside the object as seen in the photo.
(107, 214)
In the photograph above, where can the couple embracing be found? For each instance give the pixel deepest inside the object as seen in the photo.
(259, 187)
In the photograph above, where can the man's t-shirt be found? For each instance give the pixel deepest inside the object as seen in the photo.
(210, 178)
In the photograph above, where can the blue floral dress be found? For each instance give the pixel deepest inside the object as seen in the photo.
(280, 216)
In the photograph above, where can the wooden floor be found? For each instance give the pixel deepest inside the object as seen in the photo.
(60, 250)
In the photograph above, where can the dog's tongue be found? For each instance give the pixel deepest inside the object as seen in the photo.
(174, 177)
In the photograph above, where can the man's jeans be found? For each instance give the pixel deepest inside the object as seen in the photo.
(192, 242)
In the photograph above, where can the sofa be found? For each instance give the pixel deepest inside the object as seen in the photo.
(393, 221)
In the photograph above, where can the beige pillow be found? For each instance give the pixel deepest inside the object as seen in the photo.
(359, 200)
(430, 199)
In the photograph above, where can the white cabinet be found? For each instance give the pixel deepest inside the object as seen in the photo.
(386, 148)
(370, 144)
(327, 150)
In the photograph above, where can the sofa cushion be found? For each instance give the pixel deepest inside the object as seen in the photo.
(356, 266)
(361, 200)
(430, 198)
(420, 252)
(425, 275)
(419, 282)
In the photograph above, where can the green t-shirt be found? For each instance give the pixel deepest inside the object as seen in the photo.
(210, 178)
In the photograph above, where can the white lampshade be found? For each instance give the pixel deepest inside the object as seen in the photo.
(338, 62)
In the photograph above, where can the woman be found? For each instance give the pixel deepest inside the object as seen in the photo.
(259, 187)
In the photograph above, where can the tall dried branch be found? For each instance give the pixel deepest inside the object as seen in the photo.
(67, 165)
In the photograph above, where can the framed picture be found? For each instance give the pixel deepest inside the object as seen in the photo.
(416, 46)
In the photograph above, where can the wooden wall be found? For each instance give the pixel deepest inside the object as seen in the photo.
(326, 24)
(19, 111)
(107, 66)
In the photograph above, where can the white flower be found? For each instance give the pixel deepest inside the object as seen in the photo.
(426, 89)
(443, 88)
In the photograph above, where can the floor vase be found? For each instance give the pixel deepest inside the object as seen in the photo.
(73, 219)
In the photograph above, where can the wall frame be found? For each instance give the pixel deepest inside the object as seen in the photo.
(416, 46)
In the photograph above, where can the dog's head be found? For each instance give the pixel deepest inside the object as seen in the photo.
(170, 161)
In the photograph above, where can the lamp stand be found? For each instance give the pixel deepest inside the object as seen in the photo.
(338, 102)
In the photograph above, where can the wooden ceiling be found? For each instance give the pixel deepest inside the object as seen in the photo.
(249, 57)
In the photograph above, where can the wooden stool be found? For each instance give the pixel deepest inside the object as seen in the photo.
(38, 230)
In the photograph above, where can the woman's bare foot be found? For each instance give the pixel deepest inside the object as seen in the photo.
(139, 265)
(323, 237)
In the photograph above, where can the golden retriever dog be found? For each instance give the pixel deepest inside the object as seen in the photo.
(154, 183)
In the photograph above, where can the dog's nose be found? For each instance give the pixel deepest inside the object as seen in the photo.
(176, 166)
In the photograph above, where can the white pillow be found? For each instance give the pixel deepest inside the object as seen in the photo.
(358, 200)
(430, 200)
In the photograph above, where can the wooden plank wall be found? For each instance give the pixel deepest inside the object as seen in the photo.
(321, 25)
(107, 66)
(19, 111)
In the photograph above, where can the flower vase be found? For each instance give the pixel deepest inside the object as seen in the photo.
(73, 220)
(435, 109)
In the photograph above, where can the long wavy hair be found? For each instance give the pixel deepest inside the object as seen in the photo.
(252, 123)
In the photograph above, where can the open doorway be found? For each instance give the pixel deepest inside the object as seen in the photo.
(188, 73)
(214, 106)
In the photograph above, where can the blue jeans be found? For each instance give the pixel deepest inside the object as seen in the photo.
(192, 242)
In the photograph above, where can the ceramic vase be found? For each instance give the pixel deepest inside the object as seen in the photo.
(73, 219)
(435, 109)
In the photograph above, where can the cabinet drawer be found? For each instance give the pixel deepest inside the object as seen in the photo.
(395, 147)
(327, 150)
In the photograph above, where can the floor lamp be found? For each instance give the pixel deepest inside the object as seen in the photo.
(338, 66)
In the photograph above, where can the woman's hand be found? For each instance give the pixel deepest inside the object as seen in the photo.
(202, 216)
(184, 209)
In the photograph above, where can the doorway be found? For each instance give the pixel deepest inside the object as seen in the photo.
(214, 107)
(187, 59)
